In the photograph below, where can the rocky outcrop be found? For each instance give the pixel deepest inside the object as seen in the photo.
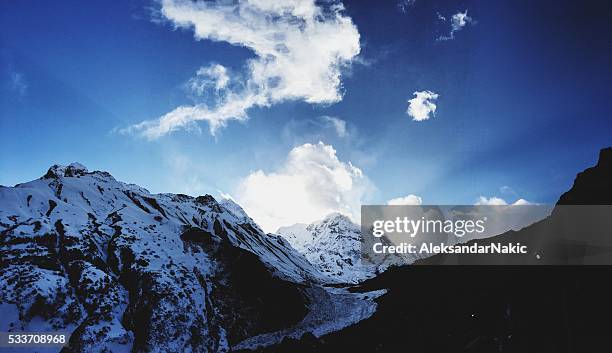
(593, 186)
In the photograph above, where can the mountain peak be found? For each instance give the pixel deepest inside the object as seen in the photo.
(232, 207)
(71, 170)
(209, 201)
(332, 245)
(592, 186)
(336, 216)
(605, 157)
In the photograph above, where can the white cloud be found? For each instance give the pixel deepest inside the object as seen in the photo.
(458, 22)
(300, 49)
(496, 201)
(422, 106)
(310, 184)
(406, 200)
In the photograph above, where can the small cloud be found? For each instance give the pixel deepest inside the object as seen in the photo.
(404, 5)
(422, 106)
(406, 200)
(458, 22)
(522, 202)
(497, 201)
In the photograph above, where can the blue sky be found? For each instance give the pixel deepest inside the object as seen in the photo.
(523, 101)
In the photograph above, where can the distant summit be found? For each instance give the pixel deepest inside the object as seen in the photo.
(332, 245)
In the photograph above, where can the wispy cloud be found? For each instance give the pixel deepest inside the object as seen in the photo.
(404, 5)
(457, 21)
(183, 174)
(422, 106)
(311, 183)
(338, 124)
(17, 82)
(508, 190)
(285, 37)
(322, 128)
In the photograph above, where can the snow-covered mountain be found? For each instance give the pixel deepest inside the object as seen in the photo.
(124, 270)
(332, 245)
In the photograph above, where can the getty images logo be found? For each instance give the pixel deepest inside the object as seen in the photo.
(412, 227)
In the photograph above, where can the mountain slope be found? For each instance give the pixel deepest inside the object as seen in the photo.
(130, 271)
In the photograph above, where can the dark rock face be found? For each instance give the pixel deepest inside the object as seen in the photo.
(72, 170)
(209, 201)
(129, 271)
(483, 309)
(272, 306)
(592, 186)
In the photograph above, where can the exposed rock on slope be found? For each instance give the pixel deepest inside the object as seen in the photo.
(126, 270)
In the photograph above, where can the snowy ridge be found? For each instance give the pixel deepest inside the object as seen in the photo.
(333, 246)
